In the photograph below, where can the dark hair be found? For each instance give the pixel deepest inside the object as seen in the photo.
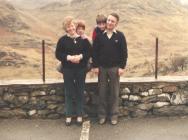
(101, 18)
(115, 15)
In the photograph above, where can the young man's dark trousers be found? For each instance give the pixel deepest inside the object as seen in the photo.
(108, 92)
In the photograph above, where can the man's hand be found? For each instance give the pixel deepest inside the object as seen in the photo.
(120, 71)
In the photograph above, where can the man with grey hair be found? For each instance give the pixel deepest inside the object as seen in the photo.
(109, 61)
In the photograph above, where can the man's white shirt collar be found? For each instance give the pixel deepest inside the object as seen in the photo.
(114, 31)
(109, 34)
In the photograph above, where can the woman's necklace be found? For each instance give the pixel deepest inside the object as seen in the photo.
(74, 40)
(73, 37)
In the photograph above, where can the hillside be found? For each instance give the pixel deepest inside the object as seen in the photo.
(9, 18)
(141, 21)
(21, 36)
(32, 4)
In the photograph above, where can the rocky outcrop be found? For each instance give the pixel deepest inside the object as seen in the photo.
(11, 59)
(10, 18)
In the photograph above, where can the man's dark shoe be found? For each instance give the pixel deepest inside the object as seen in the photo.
(102, 121)
(114, 121)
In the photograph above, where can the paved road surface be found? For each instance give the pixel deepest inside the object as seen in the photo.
(164, 128)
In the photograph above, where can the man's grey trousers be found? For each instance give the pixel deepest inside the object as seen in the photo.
(108, 92)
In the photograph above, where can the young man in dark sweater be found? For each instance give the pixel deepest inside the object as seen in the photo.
(109, 61)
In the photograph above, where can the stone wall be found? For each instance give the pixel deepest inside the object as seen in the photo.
(137, 99)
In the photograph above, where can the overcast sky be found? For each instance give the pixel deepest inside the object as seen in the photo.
(184, 2)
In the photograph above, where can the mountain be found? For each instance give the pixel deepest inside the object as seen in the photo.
(21, 25)
(32, 4)
(53, 6)
(21, 37)
(9, 18)
(141, 21)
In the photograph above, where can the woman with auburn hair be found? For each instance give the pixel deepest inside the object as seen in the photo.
(73, 52)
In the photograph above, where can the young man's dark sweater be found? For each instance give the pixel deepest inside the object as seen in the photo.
(110, 52)
(72, 46)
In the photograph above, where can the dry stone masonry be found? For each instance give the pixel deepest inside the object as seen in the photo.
(137, 99)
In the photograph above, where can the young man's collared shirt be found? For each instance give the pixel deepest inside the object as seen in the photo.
(109, 34)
